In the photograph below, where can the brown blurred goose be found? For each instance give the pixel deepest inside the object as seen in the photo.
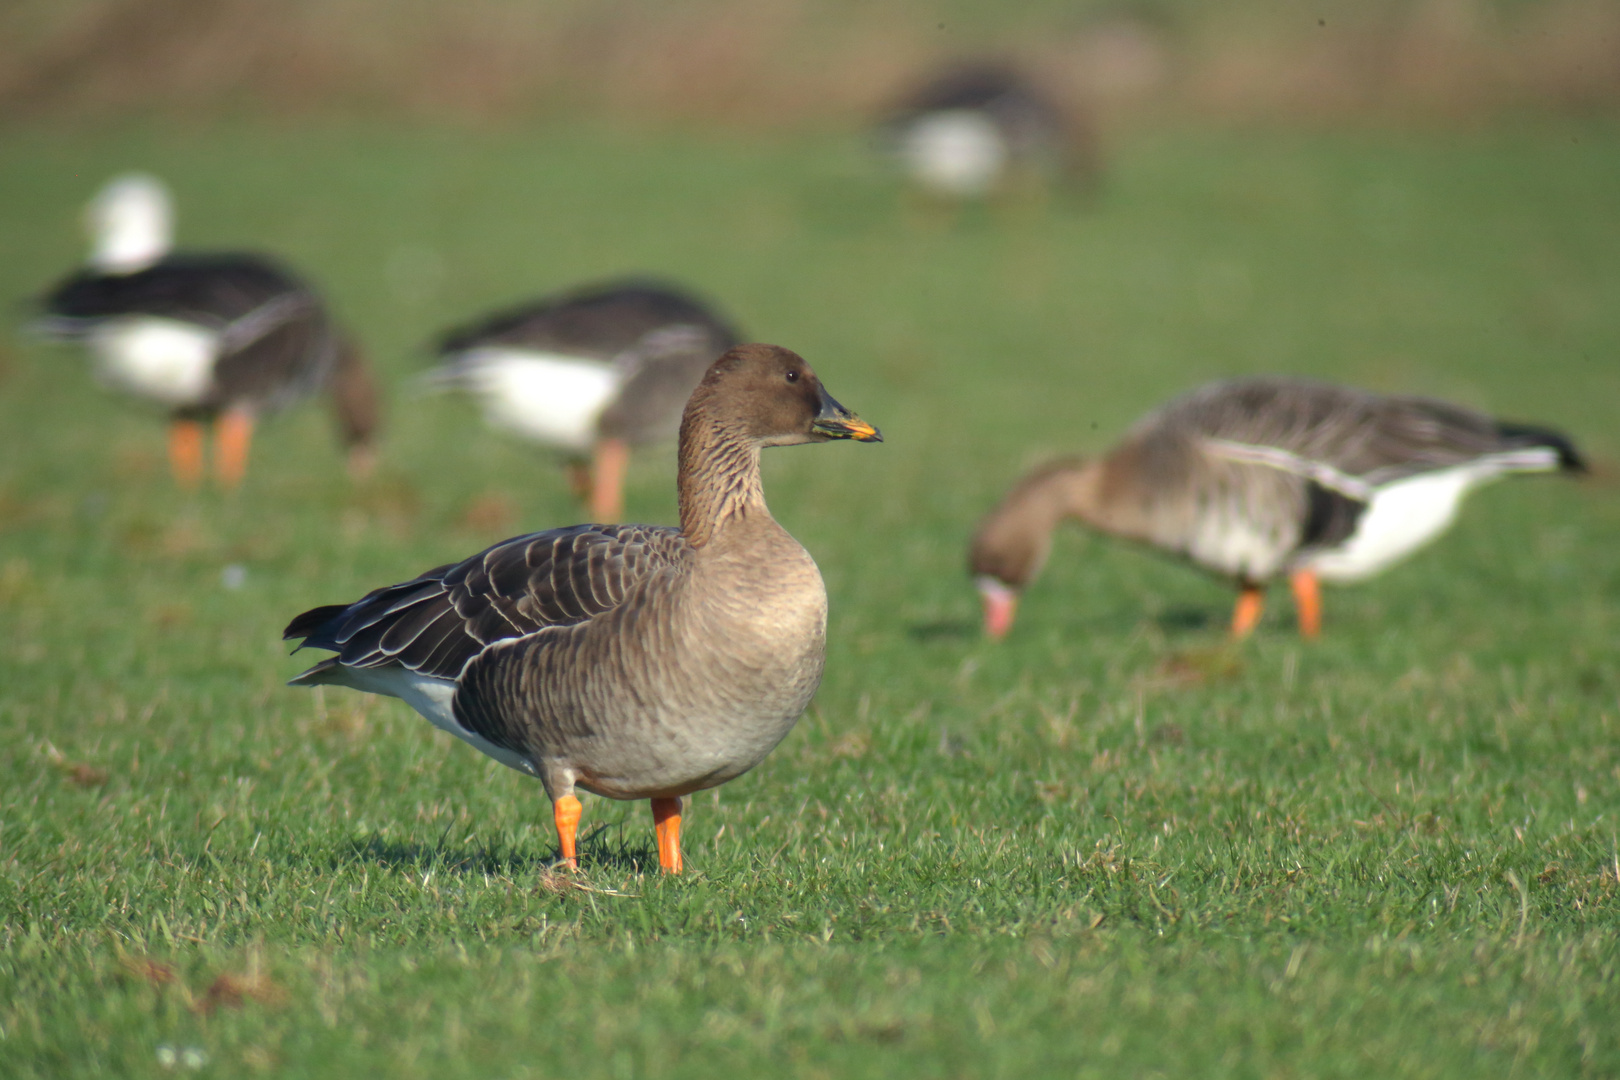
(218, 337)
(592, 372)
(632, 661)
(1259, 477)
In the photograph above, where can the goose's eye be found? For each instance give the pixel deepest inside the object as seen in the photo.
(793, 376)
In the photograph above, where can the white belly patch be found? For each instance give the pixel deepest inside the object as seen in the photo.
(958, 152)
(547, 397)
(432, 698)
(1400, 518)
(162, 360)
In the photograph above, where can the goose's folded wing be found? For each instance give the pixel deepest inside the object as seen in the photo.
(1345, 439)
(210, 290)
(434, 624)
(597, 321)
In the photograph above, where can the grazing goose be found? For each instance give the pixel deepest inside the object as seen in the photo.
(1263, 476)
(210, 337)
(971, 129)
(590, 372)
(632, 661)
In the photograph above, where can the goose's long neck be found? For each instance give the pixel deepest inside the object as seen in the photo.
(1072, 492)
(719, 477)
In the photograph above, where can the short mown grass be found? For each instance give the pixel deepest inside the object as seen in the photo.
(1111, 845)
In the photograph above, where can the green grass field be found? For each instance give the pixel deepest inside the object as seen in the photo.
(1105, 847)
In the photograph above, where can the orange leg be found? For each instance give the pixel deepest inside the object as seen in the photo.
(565, 811)
(362, 462)
(1246, 616)
(233, 434)
(186, 453)
(607, 480)
(667, 816)
(1307, 602)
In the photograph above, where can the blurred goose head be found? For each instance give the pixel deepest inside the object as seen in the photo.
(1012, 542)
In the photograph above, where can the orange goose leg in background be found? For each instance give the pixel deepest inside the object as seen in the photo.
(1246, 616)
(186, 453)
(667, 818)
(607, 480)
(565, 811)
(1307, 602)
(579, 480)
(233, 435)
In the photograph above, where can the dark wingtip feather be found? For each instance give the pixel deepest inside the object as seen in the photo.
(312, 622)
(1569, 458)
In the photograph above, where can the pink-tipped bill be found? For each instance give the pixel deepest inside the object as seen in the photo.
(1000, 605)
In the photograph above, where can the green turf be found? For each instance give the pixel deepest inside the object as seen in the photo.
(1105, 847)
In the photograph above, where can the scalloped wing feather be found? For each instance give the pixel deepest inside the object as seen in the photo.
(434, 624)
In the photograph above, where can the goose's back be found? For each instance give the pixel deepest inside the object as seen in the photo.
(598, 322)
(1361, 434)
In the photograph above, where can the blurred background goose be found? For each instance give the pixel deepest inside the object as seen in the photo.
(218, 337)
(973, 129)
(592, 372)
(632, 661)
(1259, 477)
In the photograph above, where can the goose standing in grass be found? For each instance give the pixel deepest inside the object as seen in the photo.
(632, 661)
(592, 373)
(1260, 477)
(217, 337)
(973, 130)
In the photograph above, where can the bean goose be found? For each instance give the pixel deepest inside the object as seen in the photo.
(970, 130)
(591, 372)
(217, 337)
(1260, 477)
(632, 661)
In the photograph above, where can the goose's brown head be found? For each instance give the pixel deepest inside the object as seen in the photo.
(1013, 540)
(769, 394)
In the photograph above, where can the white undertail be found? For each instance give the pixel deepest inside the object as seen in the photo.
(163, 360)
(959, 152)
(432, 697)
(551, 398)
(1403, 516)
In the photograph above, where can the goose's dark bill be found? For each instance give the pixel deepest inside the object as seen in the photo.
(836, 422)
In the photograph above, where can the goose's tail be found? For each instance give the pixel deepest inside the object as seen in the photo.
(1530, 437)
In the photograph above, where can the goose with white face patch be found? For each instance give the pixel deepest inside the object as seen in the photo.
(1262, 477)
(218, 337)
(590, 373)
(631, 661)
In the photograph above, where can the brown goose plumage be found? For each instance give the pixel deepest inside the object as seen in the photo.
(1259, 477)
(632, 661)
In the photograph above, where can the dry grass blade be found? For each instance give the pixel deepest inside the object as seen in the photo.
(86, 776)
(148, 970)
(565, 881)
